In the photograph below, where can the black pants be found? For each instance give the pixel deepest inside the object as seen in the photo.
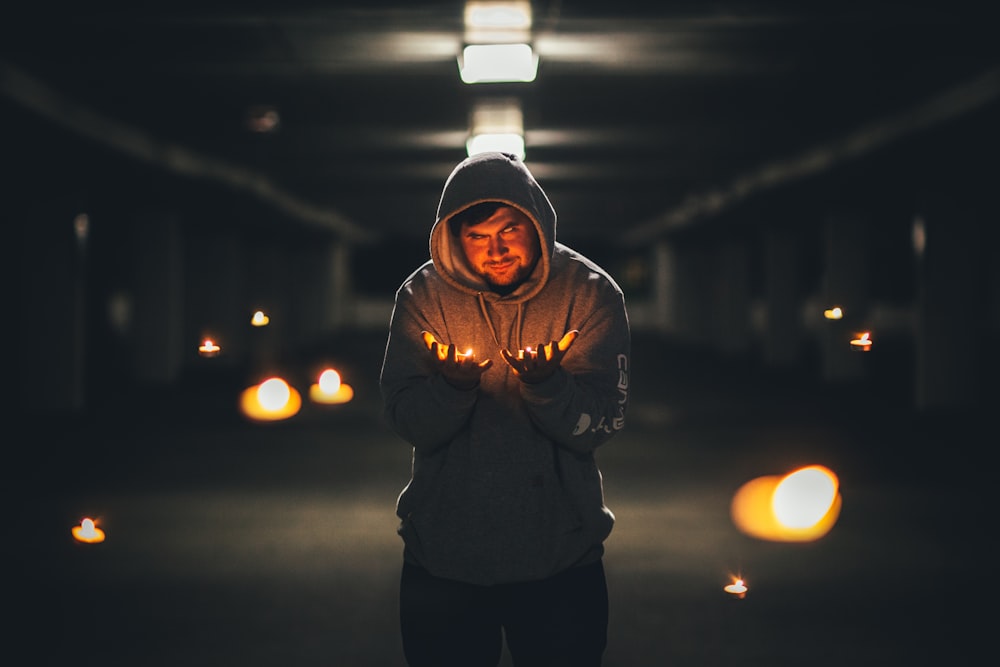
(555, 622)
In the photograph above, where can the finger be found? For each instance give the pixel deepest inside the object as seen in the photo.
(429, 338)
(451, 353)
(511, 360)
(486, 363)
(567, 339)
(439, 350)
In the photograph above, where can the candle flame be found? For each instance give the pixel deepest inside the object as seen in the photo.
(329, 381)
(259, 319)
(273, 394)
(800, 506)
(737, 588)
(271, 400)
(88, 532)
(863, 342)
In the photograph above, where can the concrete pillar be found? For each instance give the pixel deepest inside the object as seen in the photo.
(846, 255)
(157, 303)
(335, 277)
(730, 315)
(695, 287)
(951, 310)
(215, 296)
(323, 294)
(270, 288)
(665, 287)
(782, 339)
(49, 272)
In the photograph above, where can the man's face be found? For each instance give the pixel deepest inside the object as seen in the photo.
(503, 249)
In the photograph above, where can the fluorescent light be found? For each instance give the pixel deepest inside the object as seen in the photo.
(497, 22)
(494, 63)
(507, 143)
(498, 15)
(496, 124)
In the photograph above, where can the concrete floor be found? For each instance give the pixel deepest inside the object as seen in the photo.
(231, 543)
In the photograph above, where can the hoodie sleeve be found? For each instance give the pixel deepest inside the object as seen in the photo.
(584, 403)
(418, 403)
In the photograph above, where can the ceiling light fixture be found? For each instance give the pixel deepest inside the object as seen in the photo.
(498, 49)
(505, 143)
(497, 63)
(496, 125)
(492, 22)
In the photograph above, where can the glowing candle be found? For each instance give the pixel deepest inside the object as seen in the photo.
(738, 589)
(259, 319)
(209, 348)
(465, 355)
(834, 313)
(801, 506)
(863, 343)
(88, 532)
(271, 400)
(330, 389)
(526, 352)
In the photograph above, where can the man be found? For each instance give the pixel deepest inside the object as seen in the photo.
(506, 366)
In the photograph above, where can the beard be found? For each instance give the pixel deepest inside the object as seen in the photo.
(504, 272)
(505, 276)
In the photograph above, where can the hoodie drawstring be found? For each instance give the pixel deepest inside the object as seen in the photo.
(489, 322)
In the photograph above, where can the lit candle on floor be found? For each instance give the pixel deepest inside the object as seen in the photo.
(271, 400)
(737, 589)
(88, 532)
(863, 343)
(330, 389)
(834, 313)
(209, 348)
(801, 506)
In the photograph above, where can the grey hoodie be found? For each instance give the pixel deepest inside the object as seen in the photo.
(504, 482)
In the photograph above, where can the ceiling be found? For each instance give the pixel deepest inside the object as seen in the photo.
(644, 117)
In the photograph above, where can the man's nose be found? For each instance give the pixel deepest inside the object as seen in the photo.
(497, 246)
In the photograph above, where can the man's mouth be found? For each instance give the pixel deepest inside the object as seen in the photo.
(502, 265)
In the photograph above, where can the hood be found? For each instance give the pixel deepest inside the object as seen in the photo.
(500, 177)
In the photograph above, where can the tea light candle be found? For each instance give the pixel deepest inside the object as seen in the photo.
(738, 589)
(259, 319)
(834, 313)
(88, 532)
(209, 348)
(271, 400)
(329, 389)
(863, 343)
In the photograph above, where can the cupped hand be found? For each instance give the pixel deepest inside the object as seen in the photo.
(533, 366)
(461, 370)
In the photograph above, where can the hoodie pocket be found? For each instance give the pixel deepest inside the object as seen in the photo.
(495, 522)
